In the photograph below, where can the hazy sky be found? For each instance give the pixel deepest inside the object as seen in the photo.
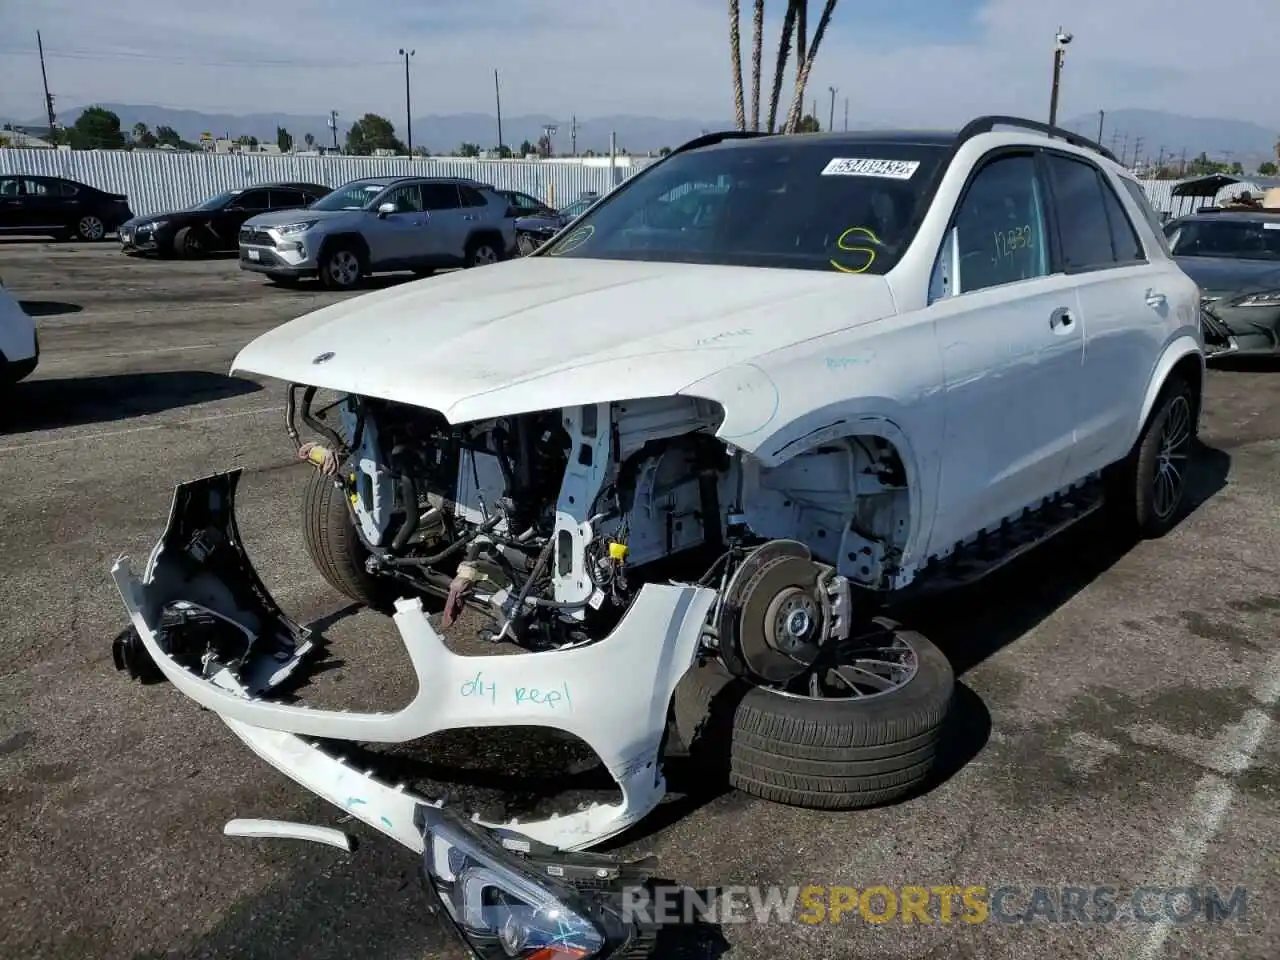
(911, 61)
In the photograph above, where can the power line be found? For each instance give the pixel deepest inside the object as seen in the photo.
(313, 63)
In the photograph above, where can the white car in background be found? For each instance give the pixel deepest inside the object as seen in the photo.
(19, 342)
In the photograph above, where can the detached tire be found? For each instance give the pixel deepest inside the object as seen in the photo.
(1147, 491)
(334, 545)
(833, 754)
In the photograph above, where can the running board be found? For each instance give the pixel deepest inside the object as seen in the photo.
(992, 550)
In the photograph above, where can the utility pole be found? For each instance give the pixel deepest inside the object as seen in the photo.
(1124, 151)
(1101, 116)
(48, 99)
(846, 114)
(1137, 151)
(1059, 53)
(573, 134)
(408, 109)
(497, 99)
(1182, 164)
(831, 117)
(1160, 160)
(549, 131)
(333, 125)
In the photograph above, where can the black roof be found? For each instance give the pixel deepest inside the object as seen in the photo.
(945, 139)
(267, 184)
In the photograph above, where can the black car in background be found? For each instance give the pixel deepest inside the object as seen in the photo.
(523, 205)
(1234, 257)
(58, 207)
(214, 225)
(533, 231)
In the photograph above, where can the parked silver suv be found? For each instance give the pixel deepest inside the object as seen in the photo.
(379, 224)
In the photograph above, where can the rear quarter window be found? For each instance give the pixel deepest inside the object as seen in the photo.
(1139, 197)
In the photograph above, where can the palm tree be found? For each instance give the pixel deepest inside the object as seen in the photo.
(806, 66)
(784, 52)
(757, 37)
(735, 51)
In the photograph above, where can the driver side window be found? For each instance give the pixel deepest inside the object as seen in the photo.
(250, 200)
(1000, 226)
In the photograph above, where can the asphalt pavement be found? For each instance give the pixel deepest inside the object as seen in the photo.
(1115, 728)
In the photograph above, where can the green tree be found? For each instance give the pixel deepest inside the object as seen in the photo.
(664, 151)
(469, 150)
(808, 124)
(526, 148)
(97, 129)
(166, 136)
(1268, 169)
(310, 140)
(1237, 169)
(284, 140)
(143, 137)
(504, 152)
(372, 132)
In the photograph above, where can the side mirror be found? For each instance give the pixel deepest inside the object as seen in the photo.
(385, 209)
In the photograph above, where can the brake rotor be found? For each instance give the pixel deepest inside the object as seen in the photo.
(781, 623)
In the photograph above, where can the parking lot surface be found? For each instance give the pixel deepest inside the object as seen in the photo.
(1115, 728)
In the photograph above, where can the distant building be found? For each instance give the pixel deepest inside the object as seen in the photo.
(19, 139)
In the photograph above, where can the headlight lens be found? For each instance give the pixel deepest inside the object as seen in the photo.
(1268, 299)
(501, 910)
(153, 225)
(289, 229)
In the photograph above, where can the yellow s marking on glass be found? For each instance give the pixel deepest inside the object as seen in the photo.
(871, 254)
(573, 241)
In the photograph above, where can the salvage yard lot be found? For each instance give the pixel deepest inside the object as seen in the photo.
(1115, 719)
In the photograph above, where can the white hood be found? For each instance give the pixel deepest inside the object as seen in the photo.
(538, 333)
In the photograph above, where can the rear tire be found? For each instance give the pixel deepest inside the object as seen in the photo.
(1148, 490)
(90, 228)
(821, 754)
(481, 252)
(334, 545)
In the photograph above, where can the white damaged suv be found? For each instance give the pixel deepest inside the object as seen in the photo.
(683, 455)
(19, 340)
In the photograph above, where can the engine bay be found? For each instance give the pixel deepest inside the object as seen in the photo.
(550, 522)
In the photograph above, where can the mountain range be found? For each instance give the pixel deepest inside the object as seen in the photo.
(1223, 139)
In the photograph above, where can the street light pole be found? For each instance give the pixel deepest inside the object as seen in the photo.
(497, 97)
(408, 107)
(831, 118)
(1059, 52)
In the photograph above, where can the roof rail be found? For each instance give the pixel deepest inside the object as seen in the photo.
(707, 139)
(987, 124)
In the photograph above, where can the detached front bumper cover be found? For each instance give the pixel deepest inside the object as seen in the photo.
(613, 694)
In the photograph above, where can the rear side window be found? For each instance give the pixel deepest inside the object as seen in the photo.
(66, 188)
(1124, 241)
(251, 200)
(287, 199)
(1140, 197)
(472, 197)
(1082, 214)
(440, 196)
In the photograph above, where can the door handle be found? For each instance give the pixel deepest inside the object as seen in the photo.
(1061, 319)
(468, 216)
(1155, 298)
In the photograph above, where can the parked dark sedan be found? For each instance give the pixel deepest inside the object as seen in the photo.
(58, 207)
(1234, 256)
(533, 231)
(214, 225)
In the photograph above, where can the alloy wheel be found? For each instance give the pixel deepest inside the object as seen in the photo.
(1169, 481)
(484, 255)
(91, 228)
(344, 268)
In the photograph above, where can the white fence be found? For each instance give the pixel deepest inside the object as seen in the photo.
(158, 181)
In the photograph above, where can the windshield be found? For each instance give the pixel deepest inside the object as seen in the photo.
(1235, 239)
(218, 200)
(351, 196)
(802, 203)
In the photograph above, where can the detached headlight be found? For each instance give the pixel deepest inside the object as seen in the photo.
(508, 903)
(289, 229)
(1269, 299)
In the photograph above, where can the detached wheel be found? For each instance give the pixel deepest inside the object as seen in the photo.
(341, 267)
(868, 735)
(482, 252)
(334, 545)
(1148, 491)
(188, 243)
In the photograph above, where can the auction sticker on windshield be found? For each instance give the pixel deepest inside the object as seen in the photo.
(887, 169)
